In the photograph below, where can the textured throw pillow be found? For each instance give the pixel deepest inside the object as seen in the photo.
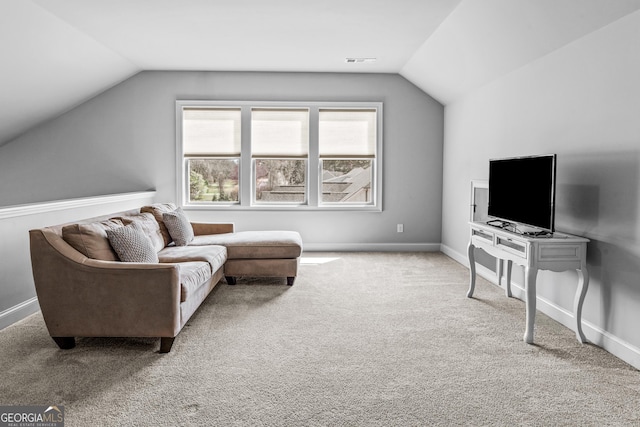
(179, 227)
(149, 226)
(90, 239)
(132, 244)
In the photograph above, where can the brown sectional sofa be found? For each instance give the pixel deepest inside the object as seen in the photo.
(84, 290)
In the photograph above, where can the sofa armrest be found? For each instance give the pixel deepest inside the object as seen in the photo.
(204, 228)
(80, 296)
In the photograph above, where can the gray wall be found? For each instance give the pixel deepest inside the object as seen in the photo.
(124, 140)
(581, 102)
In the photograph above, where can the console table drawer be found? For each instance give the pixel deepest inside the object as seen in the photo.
(510, 245)
(555, 252)
(484, 235)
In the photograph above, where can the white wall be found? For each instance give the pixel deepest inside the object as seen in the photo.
(124, 140)
(581, 102)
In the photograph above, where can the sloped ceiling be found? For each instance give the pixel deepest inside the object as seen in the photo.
(58, 53)
(48, 66)
(482, 40)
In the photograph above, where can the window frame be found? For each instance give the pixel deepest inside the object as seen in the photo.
(282, 152)
(246, 181)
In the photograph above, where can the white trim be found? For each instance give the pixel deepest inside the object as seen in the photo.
(596, 335)
(371, 247)
(18, 312)
(614, 345)
(218, 206)
(58, 205)
(313, 184)
(454, 255)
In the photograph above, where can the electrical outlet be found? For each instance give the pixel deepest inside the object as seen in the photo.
(400, 228)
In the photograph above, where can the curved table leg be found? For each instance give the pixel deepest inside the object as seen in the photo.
(583, 284)
(530, 291)
(472, 270)
(508, 284)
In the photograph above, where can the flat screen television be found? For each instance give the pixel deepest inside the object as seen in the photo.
(522, 192)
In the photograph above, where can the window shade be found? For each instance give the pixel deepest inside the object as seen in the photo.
(211, 132)
(279, 132)
(347, 133)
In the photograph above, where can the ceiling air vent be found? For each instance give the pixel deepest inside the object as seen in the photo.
(359, 60)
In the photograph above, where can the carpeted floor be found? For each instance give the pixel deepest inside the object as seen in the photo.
(361, 339)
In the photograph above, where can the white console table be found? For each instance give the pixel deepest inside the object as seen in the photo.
(559, 253)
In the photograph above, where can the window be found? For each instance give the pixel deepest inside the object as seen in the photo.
(211, 144)
(279, 149)
(347, 148)
(275, 155)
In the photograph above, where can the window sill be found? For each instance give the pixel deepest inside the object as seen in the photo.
(280, 208)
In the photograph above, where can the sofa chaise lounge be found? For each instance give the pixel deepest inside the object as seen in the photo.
(91, 284)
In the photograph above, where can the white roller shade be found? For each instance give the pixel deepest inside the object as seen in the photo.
(347, 133)
(211, 132)
(279, 132)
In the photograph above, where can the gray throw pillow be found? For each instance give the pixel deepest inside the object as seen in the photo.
(179, 227)
(132, 244)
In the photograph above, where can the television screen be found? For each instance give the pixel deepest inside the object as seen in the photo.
(522, 190)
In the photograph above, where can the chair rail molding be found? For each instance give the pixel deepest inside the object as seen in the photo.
(58, 205)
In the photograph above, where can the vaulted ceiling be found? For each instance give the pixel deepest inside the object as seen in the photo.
(56, 54)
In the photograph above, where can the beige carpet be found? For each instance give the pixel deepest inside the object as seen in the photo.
(361, 339)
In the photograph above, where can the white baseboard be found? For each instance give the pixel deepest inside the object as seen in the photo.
(371, 247)
(18, 312)
(594, 334)
(614, 345)
(455, 255)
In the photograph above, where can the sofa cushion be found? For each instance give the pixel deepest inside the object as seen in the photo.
(215, 256)
(91, 239)
(178, 226)
(148, 224)
(132, 244)
(157, 210)
(255, 244)
(192, 276)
